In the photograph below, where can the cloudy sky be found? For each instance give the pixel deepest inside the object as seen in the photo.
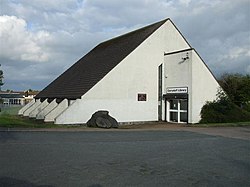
(40, 39)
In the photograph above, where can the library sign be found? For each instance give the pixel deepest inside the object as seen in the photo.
(177, 90)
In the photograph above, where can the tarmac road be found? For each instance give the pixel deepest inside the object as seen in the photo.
(123, 158)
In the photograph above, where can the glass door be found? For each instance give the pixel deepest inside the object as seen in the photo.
(173, 110)
(183, 110)
(178, 110)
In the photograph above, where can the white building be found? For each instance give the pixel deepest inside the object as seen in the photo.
(11, 98)
(150, 74)
(29, 95)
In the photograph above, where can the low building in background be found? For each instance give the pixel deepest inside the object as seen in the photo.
(29, 96)
(16, 98)
(12, 98)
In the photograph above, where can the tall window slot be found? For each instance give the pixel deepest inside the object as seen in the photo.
(160, 93)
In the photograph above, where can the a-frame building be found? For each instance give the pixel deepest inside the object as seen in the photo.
(149, 74)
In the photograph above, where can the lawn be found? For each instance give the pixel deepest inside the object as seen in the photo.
(9, 118)
(9, 110)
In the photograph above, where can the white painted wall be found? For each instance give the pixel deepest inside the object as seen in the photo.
(137, 73)
(46, 110)
(50, 117)
(38, 109)
(178, 73)
(195, 75)
(204, 86)
(21, 111)
(31, 108)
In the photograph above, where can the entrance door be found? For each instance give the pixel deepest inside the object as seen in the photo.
(178, 110)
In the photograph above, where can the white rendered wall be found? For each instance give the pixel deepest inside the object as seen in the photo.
(178, 73)
(204, 86)
(38, 109)
(195, 75)
(21, 111)
(137, 73)
(50, 117)
(46, 110)
(30, 109)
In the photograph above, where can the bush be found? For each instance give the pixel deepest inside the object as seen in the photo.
(237, 87)
(247, 107)
(223, 110)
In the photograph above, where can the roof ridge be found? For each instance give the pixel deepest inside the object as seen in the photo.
(133, 31)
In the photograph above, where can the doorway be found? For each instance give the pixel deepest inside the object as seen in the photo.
(178, 110)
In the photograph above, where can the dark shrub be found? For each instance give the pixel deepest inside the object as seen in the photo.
(237, 87)
(223, 110)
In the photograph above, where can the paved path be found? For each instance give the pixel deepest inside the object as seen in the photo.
(123, 158)
(230, 132)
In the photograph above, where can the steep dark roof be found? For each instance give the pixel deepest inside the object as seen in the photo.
(91, 68)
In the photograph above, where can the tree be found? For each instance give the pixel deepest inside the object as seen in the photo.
(232, 105)
(1, 78)
(237, 87)
(223, 110)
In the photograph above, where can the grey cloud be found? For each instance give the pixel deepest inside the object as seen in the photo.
(27, 75)
(215, 28)
(217, 31)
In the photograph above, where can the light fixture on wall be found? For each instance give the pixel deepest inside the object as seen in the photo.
(185, 58)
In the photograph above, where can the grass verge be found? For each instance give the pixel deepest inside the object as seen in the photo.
(10, 121)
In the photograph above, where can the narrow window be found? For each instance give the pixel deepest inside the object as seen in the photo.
(160, 93)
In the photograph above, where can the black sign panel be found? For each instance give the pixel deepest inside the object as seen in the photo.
(142, 97)
(175, 96)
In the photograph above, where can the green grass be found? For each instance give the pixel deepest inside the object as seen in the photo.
(15, 121)
(9, 110)
(7, 120)
(10, 119)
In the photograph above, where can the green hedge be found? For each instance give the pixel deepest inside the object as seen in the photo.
(223, 111)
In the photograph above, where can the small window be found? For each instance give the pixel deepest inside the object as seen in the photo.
(142, 97)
